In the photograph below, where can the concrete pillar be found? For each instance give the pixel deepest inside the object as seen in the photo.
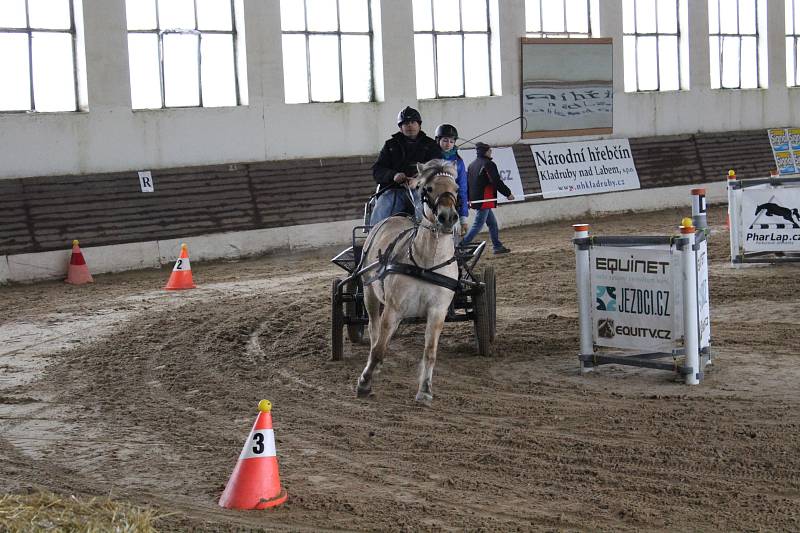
(106, 45)
(699, 66)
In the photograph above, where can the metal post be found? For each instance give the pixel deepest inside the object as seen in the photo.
(699, 209)
(733, 219)
(690, 329)
(584, 287)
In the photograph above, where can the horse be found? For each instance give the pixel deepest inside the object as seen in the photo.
(407, 252)
(778, 211)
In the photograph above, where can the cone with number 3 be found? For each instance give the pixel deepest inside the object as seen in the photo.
(255, 483)
(181, 277)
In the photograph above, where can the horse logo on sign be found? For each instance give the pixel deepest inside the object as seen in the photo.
(605, 328)
(772, 209)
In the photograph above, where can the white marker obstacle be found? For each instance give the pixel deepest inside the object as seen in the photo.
(645, 297)
(764, 219)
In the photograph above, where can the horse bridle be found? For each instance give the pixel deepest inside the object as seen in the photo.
(434, 204)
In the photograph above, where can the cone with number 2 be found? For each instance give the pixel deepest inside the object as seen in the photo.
(181, 277)
(255, 483)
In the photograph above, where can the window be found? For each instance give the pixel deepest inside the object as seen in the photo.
(327, 51)
(738, 59)
(185, 53)
(655, 51)
(558, 18)
(38, 55)
(792, 36)
(456, 52)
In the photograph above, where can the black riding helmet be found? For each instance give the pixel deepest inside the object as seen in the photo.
(446, 130)
(408, 114)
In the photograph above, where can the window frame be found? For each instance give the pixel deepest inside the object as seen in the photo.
(338, 33)
(435, 58)
(795, 37)
(160, 33)
(29, 31)
(720, 39)
(541, 34)
(678, 34)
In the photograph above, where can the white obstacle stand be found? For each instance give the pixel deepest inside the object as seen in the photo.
(764, 218)
(644, 293)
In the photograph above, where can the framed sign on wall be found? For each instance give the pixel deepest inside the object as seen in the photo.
(566, 87)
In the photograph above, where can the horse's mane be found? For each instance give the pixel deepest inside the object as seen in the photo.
(436, 167)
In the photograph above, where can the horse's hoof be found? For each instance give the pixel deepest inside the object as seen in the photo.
(363, 390)
(424, 398)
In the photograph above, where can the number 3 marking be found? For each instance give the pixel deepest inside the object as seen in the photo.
(259, 447)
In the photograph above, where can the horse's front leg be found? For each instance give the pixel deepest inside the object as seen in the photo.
(386, 326)
(432, 331)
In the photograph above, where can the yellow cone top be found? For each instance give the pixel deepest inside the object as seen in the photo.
(184, 246)
(265, 406)
(731, 174)
(686, 222)
(75, 242)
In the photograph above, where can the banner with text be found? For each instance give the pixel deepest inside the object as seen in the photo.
(506, 165)
(573, 169)
(637, 298)
(703, 307)
(770, 219)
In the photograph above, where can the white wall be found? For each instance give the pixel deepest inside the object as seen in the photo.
(111, 137)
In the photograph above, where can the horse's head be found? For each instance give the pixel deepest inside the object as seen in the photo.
(436, 182)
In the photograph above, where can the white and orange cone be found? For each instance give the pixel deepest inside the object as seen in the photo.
(181, 277)
(255, 482)
(78, 271)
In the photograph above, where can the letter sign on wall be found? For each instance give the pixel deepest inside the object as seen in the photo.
(146, 181)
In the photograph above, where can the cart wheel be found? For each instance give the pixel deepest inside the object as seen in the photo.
(337, 323)
(491, 299)
(354, 309)
(482, 319)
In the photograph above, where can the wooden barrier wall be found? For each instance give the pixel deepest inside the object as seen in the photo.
(46, 213)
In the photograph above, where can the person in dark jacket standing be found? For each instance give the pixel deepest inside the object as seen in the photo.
(484, 182)
(397, 163)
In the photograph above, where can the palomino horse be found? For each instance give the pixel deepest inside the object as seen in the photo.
(407, 253)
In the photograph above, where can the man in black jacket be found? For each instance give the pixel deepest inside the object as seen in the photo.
(397, 163)
(484, 182)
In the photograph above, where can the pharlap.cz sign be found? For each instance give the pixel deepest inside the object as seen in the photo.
(770, 220)
(635, 298)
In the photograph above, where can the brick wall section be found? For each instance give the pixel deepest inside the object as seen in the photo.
(46, 213)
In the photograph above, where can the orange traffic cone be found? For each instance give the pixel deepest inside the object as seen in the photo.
(78, 272)
(255, 483)
(181, 277)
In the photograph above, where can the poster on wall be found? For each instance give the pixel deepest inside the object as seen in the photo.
(567, 87)
(785, 143)
(573, 169)
(506, 165)
(770, 219)
(635, 304)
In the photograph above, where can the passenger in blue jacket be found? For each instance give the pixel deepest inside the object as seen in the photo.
(446, 135)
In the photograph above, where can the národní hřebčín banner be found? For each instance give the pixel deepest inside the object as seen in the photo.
(577, 168)
(770, 219)
(637, 298)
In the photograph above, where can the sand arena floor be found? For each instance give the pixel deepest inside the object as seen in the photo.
(122, 388)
